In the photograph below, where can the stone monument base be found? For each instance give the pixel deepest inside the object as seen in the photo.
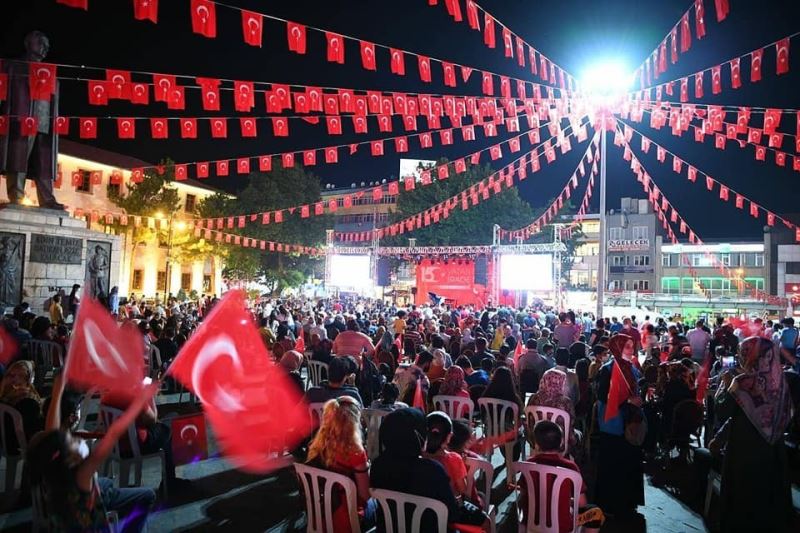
(43, 251)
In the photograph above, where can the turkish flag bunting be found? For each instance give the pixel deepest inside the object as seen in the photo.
(126, 128)
(449, 73)
(368, 55)
(88, 129)
(103, 355)
(280, 127)
(158, 128)
(287, 160)
(698, 85)
(488, 30)
(401, 145)
(222, 168)
(140, 93)
(723, 8)
(508, 46)
(181, 172)
(244, 96)
(119, 84)
(398, 62)
(424, 65)
(310, 158)
(248, 126)
(204, 17)
(335, 47)
(176, 99)
(209, 89)
(782, 51)
(691, 174)
(753, 209)
(243, 167)
(41, 81)
(755, 64)
(265, 163)
(98, 92)
(331, 155)
(296, 37)
(252, 27)
(716, 79)
(163, 85)
(188, 128)
(256, 412)
(487, 84)
(145, 10)
(334, 125)
(80, 4)
(723, 193)
(376, 147)
(686, 34)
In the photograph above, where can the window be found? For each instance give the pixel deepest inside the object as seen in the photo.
(206, 283)
(136, 282)
(186, 281)
(665, 260)
(641, 260)
(755, 283)
(793, 267)
(615, 234)
(114, 190)
(86, 182)
(639, 232)
(620, 260)
(615, 285)
(190, 203)
(701, 260)
(670, 285)
(641, 285)
(161, 281)
(725, 259)
(759, 260)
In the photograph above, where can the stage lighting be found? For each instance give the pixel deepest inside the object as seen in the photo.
(610, 77)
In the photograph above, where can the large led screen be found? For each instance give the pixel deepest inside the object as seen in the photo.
(350, 271)
(526, 272)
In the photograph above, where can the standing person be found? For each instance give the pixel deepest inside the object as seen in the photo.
(338, 447)
(619, 487)
(698, 339)
(756, 489)
(629, 329)
(113, 300)
(353, 342)
(56, 311)
(565, 332)
(74, 300)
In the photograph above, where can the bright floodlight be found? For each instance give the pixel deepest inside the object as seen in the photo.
(607, 78)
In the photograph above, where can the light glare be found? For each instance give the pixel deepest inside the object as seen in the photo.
(607, 78)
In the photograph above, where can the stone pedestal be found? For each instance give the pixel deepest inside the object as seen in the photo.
(43, 251)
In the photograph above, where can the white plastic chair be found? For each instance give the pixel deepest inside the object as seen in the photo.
(90, 405)
(315, 411)
(713, 486)
(317, 373)
(494, 413)
(318, 485)
(537, 413)
(454, 406)
(398, 522)
(46, 355)
(373, 419)
(136, 459)
(18, 456)
(546, 501)
(476, 468)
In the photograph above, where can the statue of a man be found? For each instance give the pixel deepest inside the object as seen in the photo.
(28, 157)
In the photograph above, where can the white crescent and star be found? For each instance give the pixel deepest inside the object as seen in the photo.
(221, 346)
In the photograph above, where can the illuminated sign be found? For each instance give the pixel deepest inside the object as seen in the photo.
(625, 245)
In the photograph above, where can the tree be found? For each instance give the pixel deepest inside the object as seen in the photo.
(267, 192)
(471, 227)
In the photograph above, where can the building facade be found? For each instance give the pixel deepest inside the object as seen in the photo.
(631, 247)
(142, 268)
(583, 274)
(783, 258)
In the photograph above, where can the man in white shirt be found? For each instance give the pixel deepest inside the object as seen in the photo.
(698, 339)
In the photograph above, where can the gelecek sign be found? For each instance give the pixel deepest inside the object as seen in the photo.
(624, 245)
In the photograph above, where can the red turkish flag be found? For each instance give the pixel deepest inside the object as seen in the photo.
(487, 84)
(684, 89)
(103, 355)
(753, 209)
(772, 120)
(716, 79)
(736, 78)
(698, 85)
(62, 126)
(255, 411)
(41, 81)
(310, 158)
(119, 84)
(360, 124)
(686, 34)
(80, 4)
(296, 37)
(508, 46)
(163, 85)
(188, 128)
(280, 127)
(376, 148)
(424, 65)
(331, 155)
(472, 15)
(158, 128)
(202, 170)
(397, 63)
(335, 47)
(252, 27)
(98, 92)
(368, 55)
(265, 163)
(181, 172)
(782, 51)
(222, 168)
(244, 96)
(755, 65)
(219, 128)
(334, 125)
(140, 93)
(618, 393)
(88, 129)
(488, 30)
(243, 166)
(145, 10)
(287, 160)
(248, 126)
(204, 18)
(209, 91)
(176, 99)
(401, 144)
(700, 19)
(126, 128)
(449, 74)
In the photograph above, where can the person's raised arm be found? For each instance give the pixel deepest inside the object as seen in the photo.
(53, 420)
(103, 448)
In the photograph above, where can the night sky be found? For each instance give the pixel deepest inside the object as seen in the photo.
(573, 33)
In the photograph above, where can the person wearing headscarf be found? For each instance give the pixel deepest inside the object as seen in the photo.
(619, 487)
(466, 337)
(385, 342)
(400, 467)
(17, 391)
(551, 394)
(756, 488)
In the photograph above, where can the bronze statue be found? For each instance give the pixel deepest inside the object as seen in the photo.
(29, 157)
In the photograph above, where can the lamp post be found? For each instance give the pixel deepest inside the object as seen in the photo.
(171, 226)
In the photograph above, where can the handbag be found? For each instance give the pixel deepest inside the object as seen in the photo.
(635, 424)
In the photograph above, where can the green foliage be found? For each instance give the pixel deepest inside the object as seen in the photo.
(471, 227)
(266, 192)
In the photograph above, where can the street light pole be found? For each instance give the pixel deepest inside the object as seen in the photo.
(601, 267)
(169, 259)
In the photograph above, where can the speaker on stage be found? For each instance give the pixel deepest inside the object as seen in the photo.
(481, 268)
(384, 272)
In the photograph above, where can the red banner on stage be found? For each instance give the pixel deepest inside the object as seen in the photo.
(454, 281)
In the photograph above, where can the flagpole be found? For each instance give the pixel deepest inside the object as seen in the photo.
(601, 266)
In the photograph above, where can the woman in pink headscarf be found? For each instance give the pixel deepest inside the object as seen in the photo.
(454, 385)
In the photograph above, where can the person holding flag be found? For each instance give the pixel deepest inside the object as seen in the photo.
(619, 487)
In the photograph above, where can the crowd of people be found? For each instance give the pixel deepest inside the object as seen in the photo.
(734, 382)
